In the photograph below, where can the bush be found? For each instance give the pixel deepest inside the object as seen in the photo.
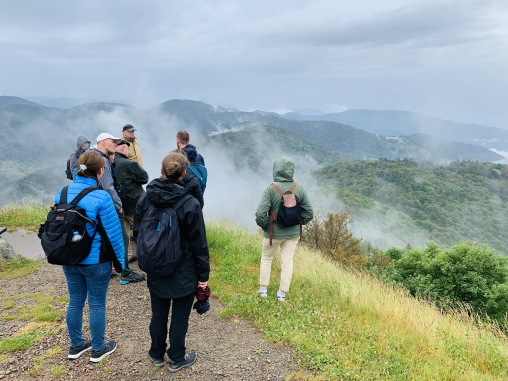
(333, 238)
(471, 274)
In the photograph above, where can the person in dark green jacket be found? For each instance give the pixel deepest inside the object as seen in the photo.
(286, 238)
(130, 176)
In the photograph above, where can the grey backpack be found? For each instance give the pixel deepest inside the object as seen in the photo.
(158, 244)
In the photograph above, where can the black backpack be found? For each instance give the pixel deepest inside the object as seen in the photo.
(290, 211)
(158, 243)
(68, 171)
(64, 222)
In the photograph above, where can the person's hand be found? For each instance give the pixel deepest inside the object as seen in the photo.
(202, 284)
(120, 211)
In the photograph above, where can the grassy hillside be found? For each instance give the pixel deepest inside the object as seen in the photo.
(350, 326)
(461, 201)
(342, 325)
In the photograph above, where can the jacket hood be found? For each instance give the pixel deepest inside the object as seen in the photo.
(81, 140)
(165, 192)
(191, 152)
(283, 169)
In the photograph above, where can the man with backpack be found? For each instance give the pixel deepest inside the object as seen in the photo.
(283, 209)
(72, 164)
(197, 162)
(106, 146)
(172, 249)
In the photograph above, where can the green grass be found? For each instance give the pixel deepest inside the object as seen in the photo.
(27, 216)
(37, 306)
(20, 268)
(19, 342)
(346, 325)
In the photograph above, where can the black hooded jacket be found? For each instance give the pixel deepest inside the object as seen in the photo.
(191, 183)
(195, 266)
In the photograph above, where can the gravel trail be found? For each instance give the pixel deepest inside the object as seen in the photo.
(227, 348)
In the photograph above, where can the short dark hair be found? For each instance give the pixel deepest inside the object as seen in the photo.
(183, 136)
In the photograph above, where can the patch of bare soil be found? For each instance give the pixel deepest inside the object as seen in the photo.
(227, 348)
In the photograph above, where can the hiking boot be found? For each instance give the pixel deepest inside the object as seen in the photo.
(188, 360)
(129, 276)
(75, 352)
(157, 361)
(107, 349)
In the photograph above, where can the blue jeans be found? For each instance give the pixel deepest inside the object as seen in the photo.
(91, 281)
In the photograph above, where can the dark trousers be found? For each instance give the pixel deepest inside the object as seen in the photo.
(178, 329)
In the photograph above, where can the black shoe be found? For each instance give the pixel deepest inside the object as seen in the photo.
(75, 352)
(107, 349)
(189, 359)
(157, 361)
(129, 276)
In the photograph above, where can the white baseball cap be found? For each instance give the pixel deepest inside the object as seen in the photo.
(105, 135)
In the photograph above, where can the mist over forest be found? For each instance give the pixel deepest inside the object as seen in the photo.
(240, 147)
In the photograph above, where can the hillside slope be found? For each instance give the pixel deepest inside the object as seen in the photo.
(461, 201)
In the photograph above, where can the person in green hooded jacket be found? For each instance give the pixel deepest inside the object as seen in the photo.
(285, 238)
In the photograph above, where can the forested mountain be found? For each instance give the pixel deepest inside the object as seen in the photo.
(8, 100)
(251, 146)
(396, 123)
(460, 201)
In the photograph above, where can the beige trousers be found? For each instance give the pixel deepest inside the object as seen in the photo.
(287, 251)
(127, 222)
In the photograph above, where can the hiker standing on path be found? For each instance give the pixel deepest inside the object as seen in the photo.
(134, 151)
(183, 142)
(131, 176)
(197, 162)
(106, 146)
(179, 288)
(90, 278)
(274, 235)
(82, 144)
(191, 183)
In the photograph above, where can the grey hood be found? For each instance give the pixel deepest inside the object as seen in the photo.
(81, 140)
(283, 169)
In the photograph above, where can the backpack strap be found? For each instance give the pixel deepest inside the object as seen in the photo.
(82, 194)
(274, 220)
(63, 195)
(282, 193)
(177, 205)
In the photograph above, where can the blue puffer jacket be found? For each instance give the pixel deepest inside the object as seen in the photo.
(98, 202)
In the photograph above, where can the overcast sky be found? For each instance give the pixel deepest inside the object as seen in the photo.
(442, 58)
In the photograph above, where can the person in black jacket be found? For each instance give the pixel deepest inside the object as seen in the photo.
(191, 183)
(131, 176)
(180, 287)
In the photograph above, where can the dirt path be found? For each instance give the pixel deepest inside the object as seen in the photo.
(227, 348)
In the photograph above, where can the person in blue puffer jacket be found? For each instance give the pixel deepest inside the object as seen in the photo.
(90, 278)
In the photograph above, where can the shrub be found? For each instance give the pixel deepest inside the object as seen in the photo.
(471, 274)
(333, 238)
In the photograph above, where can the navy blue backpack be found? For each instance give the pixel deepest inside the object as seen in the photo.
(158, 243)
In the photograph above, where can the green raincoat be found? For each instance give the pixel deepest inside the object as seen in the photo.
(283, 170)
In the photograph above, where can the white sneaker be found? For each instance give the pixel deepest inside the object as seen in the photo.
(263, 292)
(281, 295)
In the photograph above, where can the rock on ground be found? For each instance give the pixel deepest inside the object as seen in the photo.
(6, 251)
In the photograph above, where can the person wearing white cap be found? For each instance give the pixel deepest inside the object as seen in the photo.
(106, 145)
